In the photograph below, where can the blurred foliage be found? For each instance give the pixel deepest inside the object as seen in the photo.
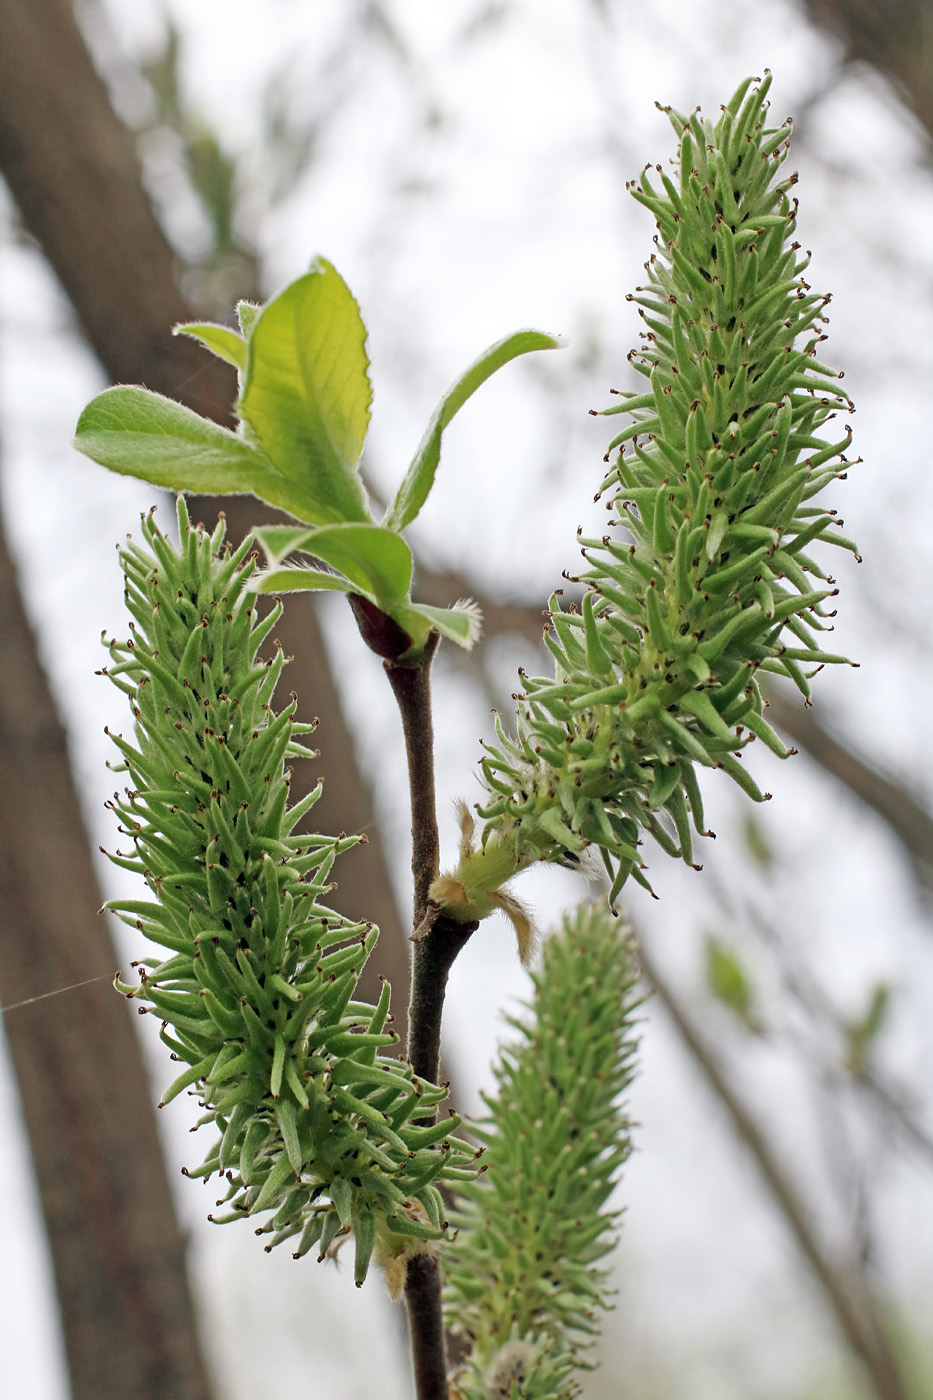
(862, 1034)
(729, 982)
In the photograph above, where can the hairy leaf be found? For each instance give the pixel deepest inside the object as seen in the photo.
(223, 342)
(306, 393)
(137, 433)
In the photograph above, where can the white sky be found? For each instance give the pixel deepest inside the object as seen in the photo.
(510, 210)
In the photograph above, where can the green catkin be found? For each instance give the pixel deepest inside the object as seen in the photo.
(704, 582)
(258, 1011)
(524, 1275)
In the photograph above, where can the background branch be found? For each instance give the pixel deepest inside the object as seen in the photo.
(895, 37)
(843, 1283)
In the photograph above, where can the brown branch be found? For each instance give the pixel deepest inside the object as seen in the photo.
(437, 941)
(426, 1327)
(411, 686)
(844, 1285)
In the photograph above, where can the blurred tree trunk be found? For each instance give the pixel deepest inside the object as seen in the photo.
(893, 36)
(72, 168)
(116, 1248)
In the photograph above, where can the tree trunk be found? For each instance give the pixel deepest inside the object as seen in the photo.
(117, 1250)
(893, 36)
(117, 1253)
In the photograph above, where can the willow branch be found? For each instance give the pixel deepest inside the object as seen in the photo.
(411, 686)
(436, 944)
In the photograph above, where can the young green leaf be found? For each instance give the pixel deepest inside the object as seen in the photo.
(246, 314)
(374, 559)
(306, 393)
(419, 478)
(223, 342)
(137, 433)
(461, 624)
(278, 541)
(294, 580)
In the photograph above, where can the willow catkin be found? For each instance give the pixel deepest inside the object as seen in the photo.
(703, 579)
(319, 1133)
(524, 1275)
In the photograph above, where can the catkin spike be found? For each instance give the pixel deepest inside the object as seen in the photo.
(523, 1272)
(262, 1018)
(703, 573)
